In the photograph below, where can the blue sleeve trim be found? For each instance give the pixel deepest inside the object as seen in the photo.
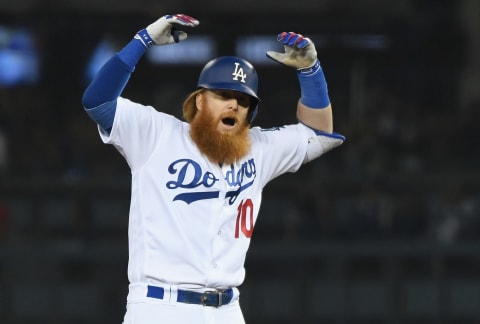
(331, 135)
(322, 133)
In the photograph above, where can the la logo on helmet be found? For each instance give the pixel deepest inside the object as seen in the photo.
(238, 73)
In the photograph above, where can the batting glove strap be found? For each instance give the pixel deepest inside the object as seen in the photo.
(145, 38)
(310, 70)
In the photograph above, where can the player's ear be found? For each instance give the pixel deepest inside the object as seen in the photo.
(190, 105)
(199, 100)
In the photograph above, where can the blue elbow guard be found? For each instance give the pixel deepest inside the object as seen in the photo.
(313, 87)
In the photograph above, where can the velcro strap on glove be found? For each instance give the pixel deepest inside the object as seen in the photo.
(145, 38)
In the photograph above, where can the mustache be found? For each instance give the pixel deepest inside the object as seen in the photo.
(231, 117)
(220, 148)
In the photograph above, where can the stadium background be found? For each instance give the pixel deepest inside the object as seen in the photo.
(385, 229)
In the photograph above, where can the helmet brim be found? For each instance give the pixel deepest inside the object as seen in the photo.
(228, 86)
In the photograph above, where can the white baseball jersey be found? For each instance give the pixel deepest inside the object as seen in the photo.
(191, 220)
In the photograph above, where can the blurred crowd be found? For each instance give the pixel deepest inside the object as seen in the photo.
(407, 170)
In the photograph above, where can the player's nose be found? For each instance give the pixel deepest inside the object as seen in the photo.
(232, 104)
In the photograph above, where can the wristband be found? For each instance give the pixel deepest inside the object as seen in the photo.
(145, 38)
(313, 87)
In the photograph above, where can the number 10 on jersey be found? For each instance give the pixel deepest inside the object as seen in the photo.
(244, 222)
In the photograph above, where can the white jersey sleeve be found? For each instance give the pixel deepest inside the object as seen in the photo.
(284, 149)
(136, 130)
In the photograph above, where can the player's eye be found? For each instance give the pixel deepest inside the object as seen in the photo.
(224, 94)
(242, 98)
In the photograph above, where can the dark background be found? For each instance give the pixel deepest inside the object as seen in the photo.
(384, 229)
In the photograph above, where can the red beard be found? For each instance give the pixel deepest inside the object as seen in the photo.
(219, 148)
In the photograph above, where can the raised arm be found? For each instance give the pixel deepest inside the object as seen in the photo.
(100, 98)
(314, 108)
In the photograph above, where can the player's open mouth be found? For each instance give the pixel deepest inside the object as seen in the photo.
(228, 121)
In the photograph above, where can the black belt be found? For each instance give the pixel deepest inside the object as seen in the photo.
(215, 298)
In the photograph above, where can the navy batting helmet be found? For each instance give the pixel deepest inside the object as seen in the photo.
(231, 73)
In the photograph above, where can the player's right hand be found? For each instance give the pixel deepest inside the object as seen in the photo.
(163, 31)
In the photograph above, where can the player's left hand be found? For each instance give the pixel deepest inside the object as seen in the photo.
(299, 53)
(163, 31)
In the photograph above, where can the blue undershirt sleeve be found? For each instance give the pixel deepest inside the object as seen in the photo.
(100, 98)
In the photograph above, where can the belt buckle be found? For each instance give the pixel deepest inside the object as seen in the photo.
(205, 294)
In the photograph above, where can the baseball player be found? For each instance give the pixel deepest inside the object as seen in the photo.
(197, 184)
